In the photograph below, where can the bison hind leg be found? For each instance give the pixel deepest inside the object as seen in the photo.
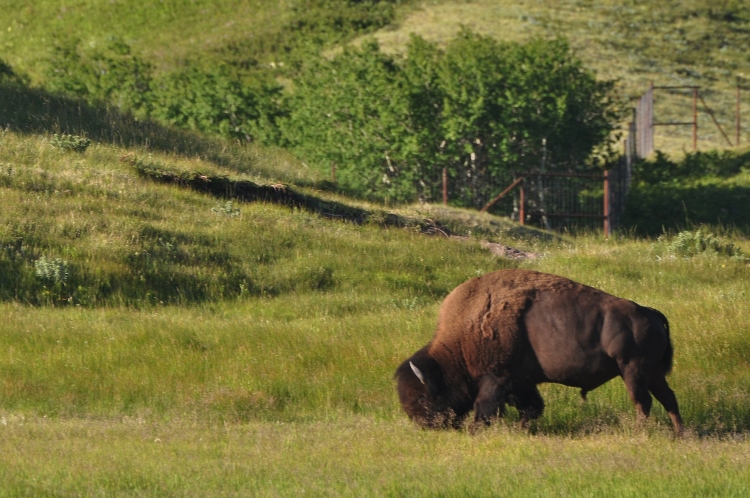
(529, 403)
(664, 394)
(636, 384)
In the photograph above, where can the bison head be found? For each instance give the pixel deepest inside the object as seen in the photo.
(427, 396)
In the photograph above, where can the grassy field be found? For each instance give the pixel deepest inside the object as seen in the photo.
(165, 32)
(354, 456)
(173, 382)
(158, 340)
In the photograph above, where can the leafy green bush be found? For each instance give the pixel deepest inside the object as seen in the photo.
(212, 101)
(480, 108)
(70, 142)
(663, 169)
(352, 111)
(112, 74)
(703, 188)
(688, 244)
(216, 101)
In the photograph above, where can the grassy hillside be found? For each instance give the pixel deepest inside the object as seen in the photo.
(693, 42)
(250, 34)
(185, 316)
(249, 347)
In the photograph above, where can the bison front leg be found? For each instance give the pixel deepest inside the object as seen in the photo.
(490, 401)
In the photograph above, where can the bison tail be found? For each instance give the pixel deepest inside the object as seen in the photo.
(667, 357)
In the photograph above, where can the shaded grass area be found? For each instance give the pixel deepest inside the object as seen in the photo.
(243, 190)
(35, 111)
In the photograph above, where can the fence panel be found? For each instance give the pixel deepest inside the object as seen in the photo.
(566, 201)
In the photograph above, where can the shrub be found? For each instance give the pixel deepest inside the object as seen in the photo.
(112, 74)
(663, 169)
(702, 188)
(70, 142)
(52, 271)
(479, 108)
(688, 244)
(216, 101)
(212, 101)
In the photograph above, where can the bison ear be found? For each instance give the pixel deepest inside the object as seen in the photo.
(417, 372)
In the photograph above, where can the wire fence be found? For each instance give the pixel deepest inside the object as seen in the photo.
(571, 202)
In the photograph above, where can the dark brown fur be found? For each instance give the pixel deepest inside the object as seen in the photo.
(501, 334)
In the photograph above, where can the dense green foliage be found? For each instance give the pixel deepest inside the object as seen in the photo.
(213, 101)
(233, 95)
(480, 108)
(702, 188)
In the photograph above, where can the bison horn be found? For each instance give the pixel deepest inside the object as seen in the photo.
(417, 372)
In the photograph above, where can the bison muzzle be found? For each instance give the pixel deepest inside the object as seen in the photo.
(501, 334)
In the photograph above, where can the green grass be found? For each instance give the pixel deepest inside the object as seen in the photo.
(165, 32)
(354, 456)
(199, 348)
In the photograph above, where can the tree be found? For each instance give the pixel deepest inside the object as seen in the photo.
(351, 111)
(480, 108)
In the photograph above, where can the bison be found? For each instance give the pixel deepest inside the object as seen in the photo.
(501, 334)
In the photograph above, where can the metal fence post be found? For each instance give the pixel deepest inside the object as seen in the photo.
(607, 225)
(445, 186)
(695, 119)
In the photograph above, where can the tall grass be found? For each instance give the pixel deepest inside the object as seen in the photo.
(307, 355)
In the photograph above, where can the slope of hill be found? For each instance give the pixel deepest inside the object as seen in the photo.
(678, 43)
(163, 337)
(671, 43)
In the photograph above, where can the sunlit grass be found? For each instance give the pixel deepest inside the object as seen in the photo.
(165, 32)
(286, 386)
(354, 456)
